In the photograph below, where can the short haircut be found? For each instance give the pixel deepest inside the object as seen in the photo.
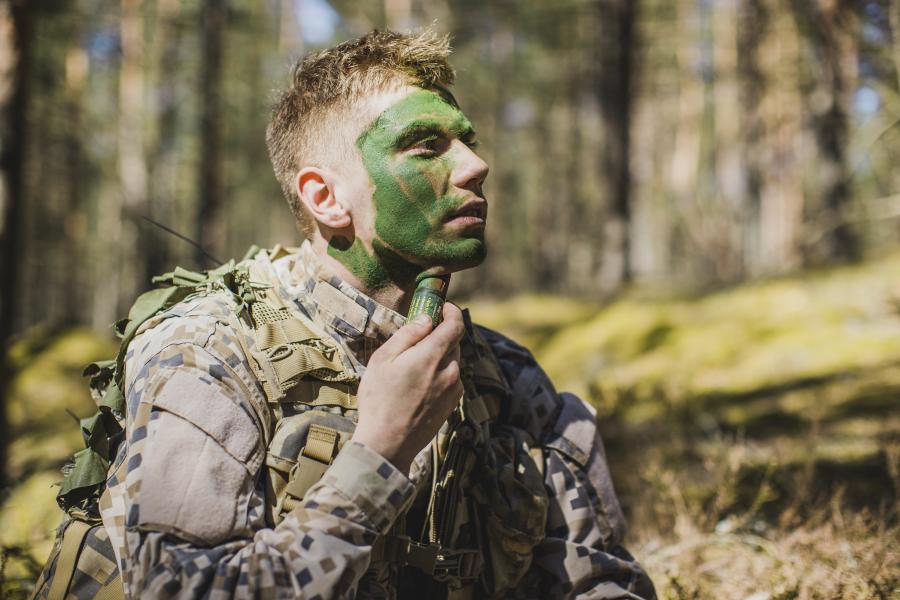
(325, 84)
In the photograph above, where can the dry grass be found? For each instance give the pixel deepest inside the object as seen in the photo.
(705, 549)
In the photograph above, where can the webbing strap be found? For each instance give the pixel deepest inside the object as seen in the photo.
(286, 331)
(298, 360)
(114, 590)
(320, 443)
(70, 548)
(316, 456)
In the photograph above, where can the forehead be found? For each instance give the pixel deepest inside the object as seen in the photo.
(393, 112)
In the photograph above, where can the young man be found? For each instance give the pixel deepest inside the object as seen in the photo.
(321, 447)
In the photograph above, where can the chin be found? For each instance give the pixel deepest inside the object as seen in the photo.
(461, 255)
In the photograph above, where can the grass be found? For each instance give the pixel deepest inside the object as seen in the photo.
(753, 433)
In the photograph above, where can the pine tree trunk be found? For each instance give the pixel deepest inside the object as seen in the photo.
(830, 27)
(613, 57)
(132, 158)
(211, 228)
(75, 223)
(15, 45)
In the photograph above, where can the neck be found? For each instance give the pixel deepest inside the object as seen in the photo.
(358, 267)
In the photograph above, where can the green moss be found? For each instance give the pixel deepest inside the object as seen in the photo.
(46, 384)
(732, 342)
(780, 393)
(30, 515)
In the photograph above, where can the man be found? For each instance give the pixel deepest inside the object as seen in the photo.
(377, 162)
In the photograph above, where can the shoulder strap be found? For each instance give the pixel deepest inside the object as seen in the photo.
(72, 542)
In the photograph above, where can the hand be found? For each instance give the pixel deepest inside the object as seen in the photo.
(410, 387)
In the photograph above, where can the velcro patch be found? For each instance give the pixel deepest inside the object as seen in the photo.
(199, 398)
(332, 300)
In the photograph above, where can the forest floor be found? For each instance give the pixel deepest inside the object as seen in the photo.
(753, 433)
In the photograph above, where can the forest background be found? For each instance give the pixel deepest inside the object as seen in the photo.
(694, 224)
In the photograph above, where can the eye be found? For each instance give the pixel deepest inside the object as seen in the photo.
(430, 146)
(470, 140)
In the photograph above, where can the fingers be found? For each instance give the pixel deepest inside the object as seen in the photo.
(448, 378)
(448, 334)
(407, 336)
(451, 356)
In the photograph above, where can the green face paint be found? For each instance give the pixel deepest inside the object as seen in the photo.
(409, 155)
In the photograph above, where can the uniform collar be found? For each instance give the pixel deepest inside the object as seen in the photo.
(357, 321)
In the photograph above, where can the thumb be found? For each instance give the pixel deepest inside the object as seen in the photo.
(408, 336)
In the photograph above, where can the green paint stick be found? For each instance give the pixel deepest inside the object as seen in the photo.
(431, 291)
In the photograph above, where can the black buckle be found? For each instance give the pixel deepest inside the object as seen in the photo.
(423, 556)
(458, 566)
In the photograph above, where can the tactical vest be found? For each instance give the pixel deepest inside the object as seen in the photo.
(487, 504)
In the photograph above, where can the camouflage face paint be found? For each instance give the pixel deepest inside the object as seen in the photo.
(409, 154)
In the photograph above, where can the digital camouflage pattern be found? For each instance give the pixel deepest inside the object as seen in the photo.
(185, 507)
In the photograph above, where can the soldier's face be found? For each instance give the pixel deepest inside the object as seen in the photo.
(424, 208)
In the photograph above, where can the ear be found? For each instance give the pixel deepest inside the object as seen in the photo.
(316, 191)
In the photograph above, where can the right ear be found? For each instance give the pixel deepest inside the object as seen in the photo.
(315, 188)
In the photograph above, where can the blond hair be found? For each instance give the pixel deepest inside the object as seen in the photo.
(329, 82)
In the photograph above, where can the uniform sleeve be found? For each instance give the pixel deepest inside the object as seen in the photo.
(189, 488)
(581, 555)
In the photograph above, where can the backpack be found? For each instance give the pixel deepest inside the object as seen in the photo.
(296, 363)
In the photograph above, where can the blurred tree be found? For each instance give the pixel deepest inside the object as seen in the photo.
(133, 272)
(209, 220)
(612, 52)
(164, 134)
(771, 116)
(894, 12)
(15, 56)
(76, 174)
(831, 31)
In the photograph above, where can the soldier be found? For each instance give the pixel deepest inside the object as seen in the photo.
(316, 445)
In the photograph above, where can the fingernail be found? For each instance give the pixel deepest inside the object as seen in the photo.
(422, 319)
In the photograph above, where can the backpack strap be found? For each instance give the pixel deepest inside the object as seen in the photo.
(72, 542)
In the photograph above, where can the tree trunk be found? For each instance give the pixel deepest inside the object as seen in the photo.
(163, 164)
(830, 28)
(771, 118)
(132, 158)
(15, 46)
(75, 219)
(614, 63)
(894, 16)
(211, 229)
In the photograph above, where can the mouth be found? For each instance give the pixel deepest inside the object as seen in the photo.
(471, 214)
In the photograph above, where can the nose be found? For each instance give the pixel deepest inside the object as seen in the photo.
(470, 171)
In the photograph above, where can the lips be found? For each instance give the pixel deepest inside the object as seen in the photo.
(471, 212)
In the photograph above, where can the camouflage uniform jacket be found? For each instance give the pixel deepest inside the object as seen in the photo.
(185, 502)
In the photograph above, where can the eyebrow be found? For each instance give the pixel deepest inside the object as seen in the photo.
(421, 127)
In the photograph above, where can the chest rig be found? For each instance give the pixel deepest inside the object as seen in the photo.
(481, 506)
